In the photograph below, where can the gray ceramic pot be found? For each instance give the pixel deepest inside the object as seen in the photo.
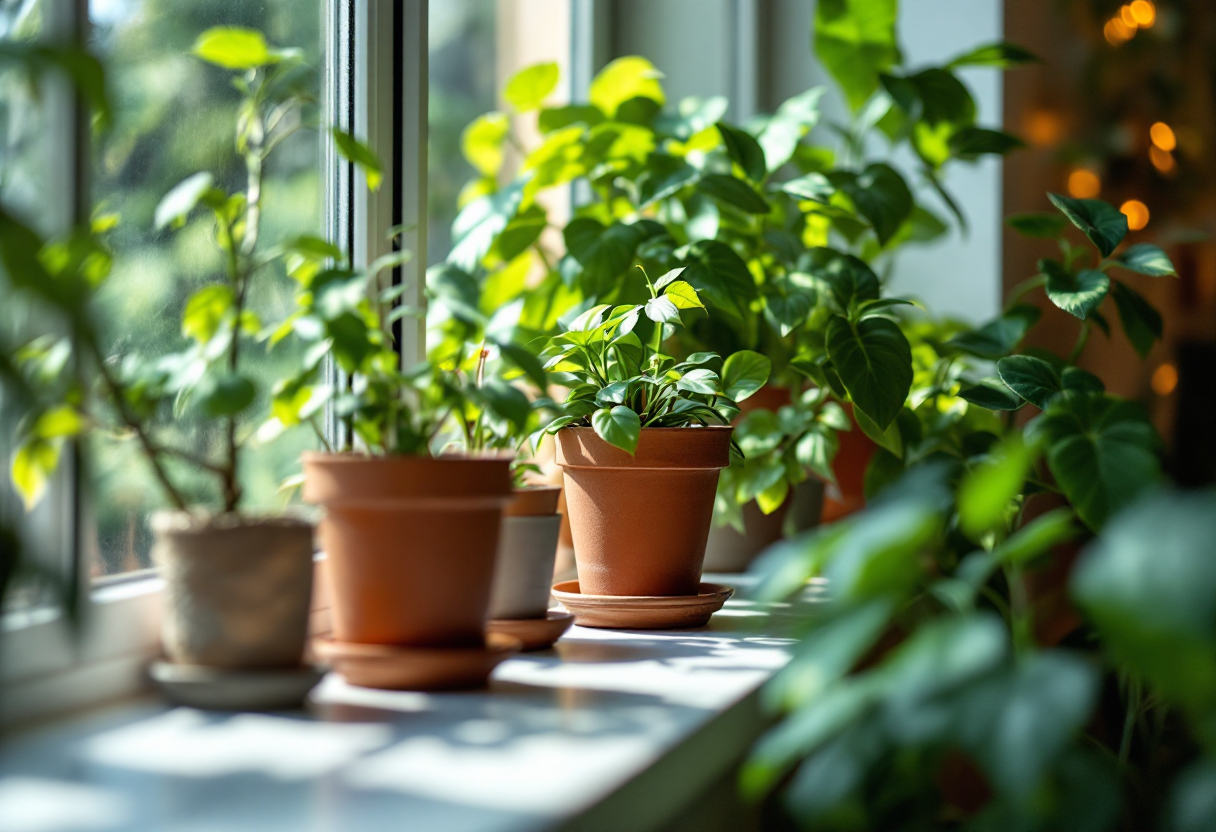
(729, 551)
(237, 590)
(523, 571)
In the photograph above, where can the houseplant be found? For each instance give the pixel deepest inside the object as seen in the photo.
(941, 683)
(641, 434)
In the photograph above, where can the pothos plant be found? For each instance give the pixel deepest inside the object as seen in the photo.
(763, 220)
(948, 679)
(619, 383)
(140, 397)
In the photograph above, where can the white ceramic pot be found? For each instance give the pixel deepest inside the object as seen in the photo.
(523, 572)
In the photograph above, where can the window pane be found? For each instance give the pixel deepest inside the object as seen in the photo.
(174, 116)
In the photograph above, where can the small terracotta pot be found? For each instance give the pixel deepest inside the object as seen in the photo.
(729, 551)
(237, 590)
(852, 458)
(640, 522)
(526, 551)
(411, 543)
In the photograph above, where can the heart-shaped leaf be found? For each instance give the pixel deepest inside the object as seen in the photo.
(699, 381)
(1032, 378)
(744, 151)
(1103, 224)
(874, 361)
(1146, 258)
(999, 337)
(744, 373)
(662, 310)
(881, 196)
(1141, 322)
(1078, 294)
(529, 87)
(619, 426)
(603, 252)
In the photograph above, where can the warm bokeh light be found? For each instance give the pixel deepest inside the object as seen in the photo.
(1137, 214)
(1163, 136)
(1162, 160)
(1126, 15)
(1117, 32)
(1144, 13)
(1084, 184)
(1165, 379)
(1043, 128)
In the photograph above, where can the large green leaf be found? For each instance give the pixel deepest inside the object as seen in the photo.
(1146, 258)
(619, 426)
(1141, 322)
(1077, 294)
(991, 393)
(874, 361)
(998, 337)
(881, 196)
(1032, 378)
(603, 252)
(744, 151)
(482, 142)
(528, 88)
(855, 40)
(623, 80)
(1103, 452)
(851, 280)
(744, 373)
(794, 119)
(733, 191)
(1103, 224)
(478, 225)
(720, 276)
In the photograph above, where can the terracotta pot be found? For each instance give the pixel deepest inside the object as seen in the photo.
(729, 551)
(849, 466)
(237, 589)
(527, 548)
(768, 397)
(410, 543)
(640, 522)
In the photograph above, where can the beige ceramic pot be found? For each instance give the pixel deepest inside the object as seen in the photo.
(238, 590)
(640, 522)
(410, 544)
(526, 552)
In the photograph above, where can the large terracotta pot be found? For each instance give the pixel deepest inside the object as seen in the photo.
(237, 590)
(640, 522)
(729, 551)
(410, 543)
(527, 548)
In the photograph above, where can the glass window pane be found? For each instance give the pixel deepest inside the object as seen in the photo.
(174, 116)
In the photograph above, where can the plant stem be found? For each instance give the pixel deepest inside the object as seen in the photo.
(1082, 338)
(1134, 694)
(1021, 620)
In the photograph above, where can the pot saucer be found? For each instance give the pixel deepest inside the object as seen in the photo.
(224, 689)
(642, 612)
(534, 633)
(400, 667)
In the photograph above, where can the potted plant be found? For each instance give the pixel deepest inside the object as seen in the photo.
(238, 586)
(642, 435)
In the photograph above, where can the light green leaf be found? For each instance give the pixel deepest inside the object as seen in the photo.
(744, 373)
(985, 494)
(699, 381)
(529, 87)
(683, 295)
(814, 187)
(625, 79)
(34, 461)
(176, 205)
(733, 191)
(1103, 224)
(663, 310)
(1146, 258)
(874, 361)
(360, 155)
(482, 141)
(855, 40)
(619, 426)
(233, 47)
(205, 312)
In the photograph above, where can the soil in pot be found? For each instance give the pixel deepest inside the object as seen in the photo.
(640, 522)
(410, 543)
(238, 590)
(527, 548)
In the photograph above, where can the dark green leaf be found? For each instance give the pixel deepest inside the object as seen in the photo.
(744, 151)
(605, 253)
(874, 361)
(999, 337)
(1001, 55)
(881, 196)
(733, 191)
(851, 280)
(555, 118)
(1146, 258)
(1103, 224)
(619, 426)
(1141, 322)
(1081, 381)
(972, 142)
(1077, 294)
(991, 394)
(1043, 226)
(506, 401)
(1032, 378)
(224, 395)
(720, 276)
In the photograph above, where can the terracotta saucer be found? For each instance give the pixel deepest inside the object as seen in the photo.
(535, 633)
(223, 689)
(397, 667)
(642, 612)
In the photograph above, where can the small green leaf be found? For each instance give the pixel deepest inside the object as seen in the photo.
(359, 154)
(619, 426)
(224, 395)
(663, 310)
(1141, 322)
(176, 205)
(744, 151)
(1103, 224)
(1146, 258)
(34, 461)
(206, 311)
(1077, 294)
(985, 494)
(991, 394)
(972, 142)
(1042, 226)
(1032, 378)
(529, 87)
(814, 187)
(881, 196)
(733, 191)
(874, 361)
(683, 295)
(856, 40)
(1001, 55)
(744, 373)
(623, 80)
(233, 47)
(999, 337)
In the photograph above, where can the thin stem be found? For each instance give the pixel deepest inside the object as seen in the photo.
(1021, 618)
(1082, 338)
(325, 443)
(1129, 719)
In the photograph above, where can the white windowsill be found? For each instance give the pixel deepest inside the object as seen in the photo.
(612, 730)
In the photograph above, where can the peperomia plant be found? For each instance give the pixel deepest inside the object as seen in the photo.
(620, 383)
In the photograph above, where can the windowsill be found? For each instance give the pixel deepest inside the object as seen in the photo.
(612, 730)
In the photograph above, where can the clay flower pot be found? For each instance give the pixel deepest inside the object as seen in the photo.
(640, 522)
(526, 552)
(849, 466)
(238, 590)
(410, 543)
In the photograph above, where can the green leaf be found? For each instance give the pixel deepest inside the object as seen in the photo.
(985, 494)
(176, 205)
(1001, 55)
(662, 310)
(482, 142)
(683, 295)
(782, 133)
(224, 395)
(529, 87)
(1141, 322)
(525, 361)
(851, 280)
(507, 402)
(556, 118)
(816, 450)
(1041, 226)
(604, 252)
(360, 155)
(206, 311)
(874, 361)
(1037, 537)
(733, 191)
(700, 381)
(1103, 224)
(744, 151)
(855, 40)
(1146, 258)
(813, 186)
(744, 373)
(623, 80)
(34, 461)
(881, 196)
(721, 277)
(619, 426)
(889, 438)
(998, 337)
(991, 394)
(480, 223)
(1101, 451)
(1078, 294)
(1032, 378)
(233, 47)
(972, 142)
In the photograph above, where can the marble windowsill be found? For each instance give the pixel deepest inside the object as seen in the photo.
(610, 730)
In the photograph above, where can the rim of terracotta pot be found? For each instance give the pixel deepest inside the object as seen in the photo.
(439, 483)
(691, 448)
(176, 521)
(533, 501)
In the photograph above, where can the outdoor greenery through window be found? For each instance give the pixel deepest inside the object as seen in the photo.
(173, 116)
